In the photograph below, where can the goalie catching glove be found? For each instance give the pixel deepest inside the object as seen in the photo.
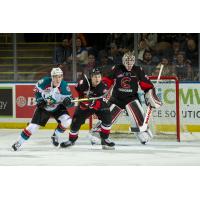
(151, 99)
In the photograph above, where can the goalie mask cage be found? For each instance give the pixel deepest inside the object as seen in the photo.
(165, 121)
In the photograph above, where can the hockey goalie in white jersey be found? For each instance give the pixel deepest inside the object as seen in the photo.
(53, 96)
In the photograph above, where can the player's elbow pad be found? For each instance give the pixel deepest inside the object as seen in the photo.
(152, 99)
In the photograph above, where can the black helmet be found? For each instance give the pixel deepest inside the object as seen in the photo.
(95, 71)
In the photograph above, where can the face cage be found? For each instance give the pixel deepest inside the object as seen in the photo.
(128, 63)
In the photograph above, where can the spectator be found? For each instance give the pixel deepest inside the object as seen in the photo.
(142, 47)
(82, 38)
(62, 52)
(150, 40)
(103, 59)
(176, 48)
(91, 64)
(147, 63)
(192, 52)
(183, 68)
(114, 54)
(167, 70)
(81, 54)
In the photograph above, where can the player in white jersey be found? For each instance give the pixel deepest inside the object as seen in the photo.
(53, 96)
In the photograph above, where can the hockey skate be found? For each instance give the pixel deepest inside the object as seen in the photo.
(107, 144)
(16, 146)
(54, 140)
(66, 144)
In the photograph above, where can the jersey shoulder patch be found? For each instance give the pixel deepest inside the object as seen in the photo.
(43, 82)
(65, 89)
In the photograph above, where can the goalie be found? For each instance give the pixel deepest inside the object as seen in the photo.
(53, 95)
(125, 79)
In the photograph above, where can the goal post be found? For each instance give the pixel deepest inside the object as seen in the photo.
(170, 89)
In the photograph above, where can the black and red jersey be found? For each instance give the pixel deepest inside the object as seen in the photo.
(85, 89)
(126, 83)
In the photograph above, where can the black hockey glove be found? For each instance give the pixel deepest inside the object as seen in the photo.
(67, 102)
(41, 103)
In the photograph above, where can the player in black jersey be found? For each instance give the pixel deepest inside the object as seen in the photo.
(93, 87)
(125, 79)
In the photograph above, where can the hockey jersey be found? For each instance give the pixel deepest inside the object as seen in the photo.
(126, 82)
(44, 89)
(85, 89)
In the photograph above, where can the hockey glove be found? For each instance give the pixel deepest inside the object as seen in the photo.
(41, 103)
(95, 105)
(67, 102)
(151, 99)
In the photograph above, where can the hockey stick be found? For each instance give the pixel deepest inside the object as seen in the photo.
(89, 99)
(149, 110)
(92, 98)
(86, 78)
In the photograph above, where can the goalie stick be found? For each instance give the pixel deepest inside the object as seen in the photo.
(148, 111)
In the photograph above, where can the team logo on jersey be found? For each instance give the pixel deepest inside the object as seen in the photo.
(125, 82)
(21, 101)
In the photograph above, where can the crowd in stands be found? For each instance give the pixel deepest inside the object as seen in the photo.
(177, 52)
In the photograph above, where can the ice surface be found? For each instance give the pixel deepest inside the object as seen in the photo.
(128, 152)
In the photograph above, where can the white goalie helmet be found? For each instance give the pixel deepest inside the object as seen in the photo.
(128, 60)
(56, 71)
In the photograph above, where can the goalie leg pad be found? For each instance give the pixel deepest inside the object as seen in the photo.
(144, 137)
(115, 112)
(135, 113)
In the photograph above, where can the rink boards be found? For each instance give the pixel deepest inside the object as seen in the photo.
(17, 104)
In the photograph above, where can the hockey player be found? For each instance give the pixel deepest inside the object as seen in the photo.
(53, 95)
(93, 87)
(126, 78)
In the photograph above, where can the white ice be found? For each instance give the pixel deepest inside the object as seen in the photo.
(39, 151)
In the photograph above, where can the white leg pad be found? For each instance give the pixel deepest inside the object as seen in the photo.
(144, 137)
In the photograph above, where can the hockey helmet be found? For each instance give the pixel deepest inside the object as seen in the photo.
(128, 60)
(56, 71)
(95, 71)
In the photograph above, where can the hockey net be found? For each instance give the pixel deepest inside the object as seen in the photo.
(165, 121)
